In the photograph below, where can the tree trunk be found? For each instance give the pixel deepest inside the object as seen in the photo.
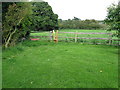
(9, 38)
(6, 44)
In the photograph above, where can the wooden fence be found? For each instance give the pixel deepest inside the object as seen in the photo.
(54, 36)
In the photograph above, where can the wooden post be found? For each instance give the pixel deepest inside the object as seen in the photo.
(50, 35)
(110, 39)
(53, 35)
(57, 36)
(76, 37)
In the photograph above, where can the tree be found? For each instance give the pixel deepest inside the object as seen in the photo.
(19, 18)
(16, 22)
(43, 17)
(113, 17)
(75, 18)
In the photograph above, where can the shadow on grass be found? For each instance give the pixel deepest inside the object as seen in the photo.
(36, 43)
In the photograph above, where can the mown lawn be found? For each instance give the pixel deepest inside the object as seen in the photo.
(38, 64)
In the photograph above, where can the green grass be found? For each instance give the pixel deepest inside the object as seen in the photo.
(95, 41)
(38, 64)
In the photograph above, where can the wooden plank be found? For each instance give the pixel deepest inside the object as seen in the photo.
(98, 43)
(39, 32)
(81, 38)
(85, 33)
(74, 32)
(86, 38)
(39, 36)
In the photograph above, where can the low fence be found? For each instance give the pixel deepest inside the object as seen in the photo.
(54, 36)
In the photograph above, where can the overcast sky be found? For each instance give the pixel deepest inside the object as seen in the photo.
(83, 9)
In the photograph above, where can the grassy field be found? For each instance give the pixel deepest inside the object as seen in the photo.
(95, 41)
(38, 64)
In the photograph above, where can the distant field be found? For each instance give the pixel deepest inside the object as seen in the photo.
(70, 30)
(40, 64)
(80, 35)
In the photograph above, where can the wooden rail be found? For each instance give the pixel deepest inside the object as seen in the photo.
(74, 32)
(55, 35)
(81, 38)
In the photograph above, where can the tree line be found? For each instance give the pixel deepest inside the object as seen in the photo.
(77, 23)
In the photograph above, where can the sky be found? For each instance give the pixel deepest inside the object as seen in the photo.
(83, 9)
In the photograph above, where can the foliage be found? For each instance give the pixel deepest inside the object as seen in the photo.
(113, 17)
(76, 23)
(16, 22)
(75, 18)
(43, 17)
(5, 6)
(19, 18)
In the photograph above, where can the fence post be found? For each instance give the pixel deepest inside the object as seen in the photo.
(75, 36)
(50, 35)
(53, 35)
(110, 39)
(57, 36)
